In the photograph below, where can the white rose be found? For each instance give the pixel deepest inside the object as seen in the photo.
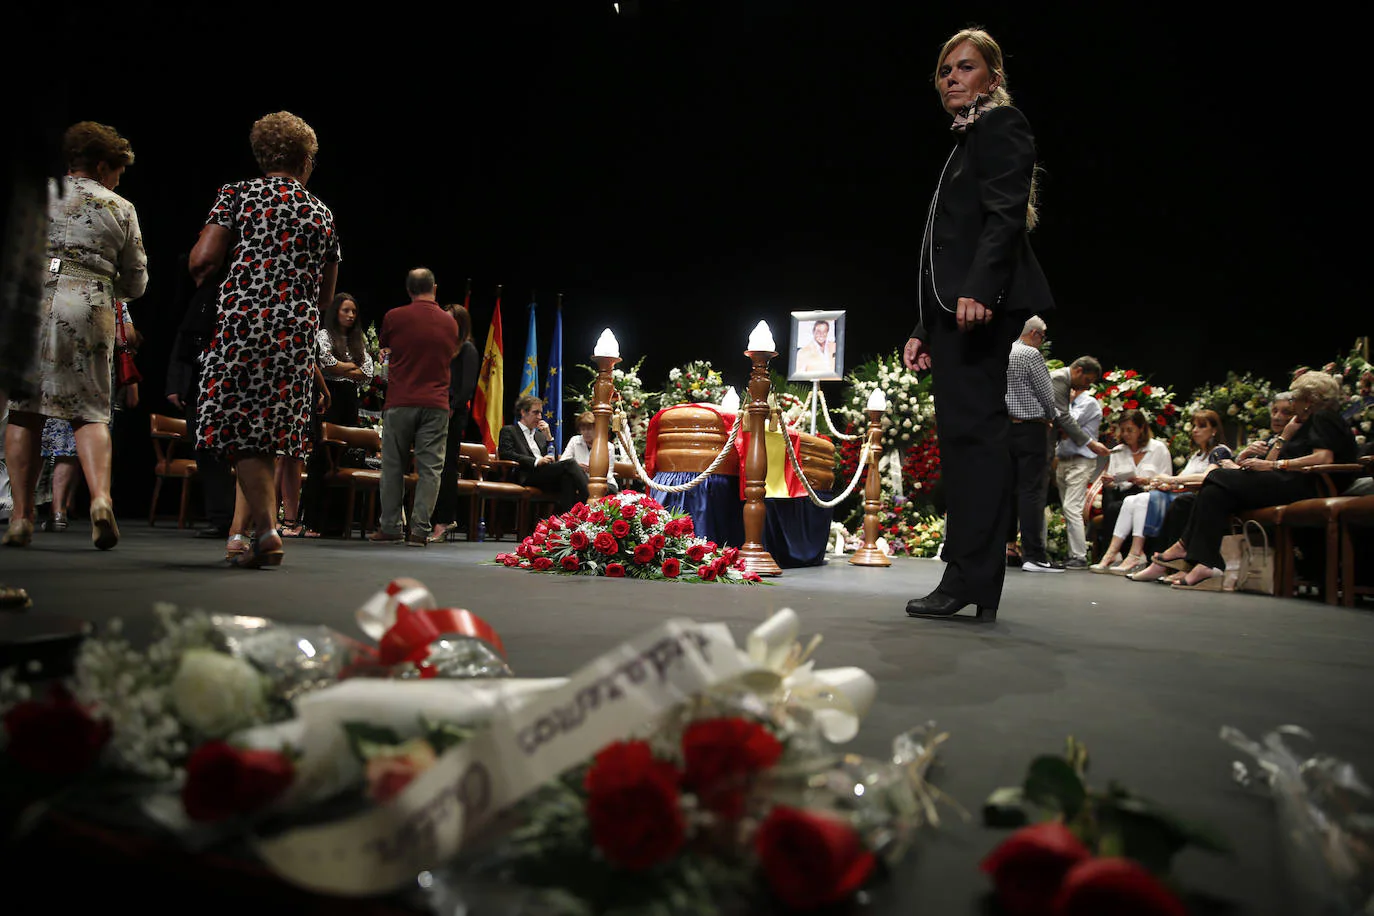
(906, 424)
(1232, 410)
(906, 436)
(217, 694)
(1365, 426)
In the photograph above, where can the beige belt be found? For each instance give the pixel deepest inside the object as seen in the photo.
(1019, 420)
(68, 269)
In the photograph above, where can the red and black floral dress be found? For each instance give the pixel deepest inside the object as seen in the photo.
(257, 372)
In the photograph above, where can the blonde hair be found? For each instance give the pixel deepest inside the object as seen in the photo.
(1320, 388)
(283, 142)
(992, 56)
(86, 144)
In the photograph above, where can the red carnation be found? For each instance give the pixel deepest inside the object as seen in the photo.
(706, 572)
(222, 780)
(811, 859)
(571, 563)
(632, 806)
(578, 540)
(1132, 404)
(55, 735)
(1029, 866)
(543, 563)
(696, 553)
(1118, 886)
(672, 567)
(650, 519)
(615, 571)
(731, 554)
(644, 553)
(620, 528)
(720, 756)
(752, 577)
(605, 543)
(1147, 389)
(1131, 373)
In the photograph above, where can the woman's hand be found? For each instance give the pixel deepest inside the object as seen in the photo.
(1108, 479)
(1258, 464)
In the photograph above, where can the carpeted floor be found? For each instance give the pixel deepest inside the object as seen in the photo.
(1146, 676)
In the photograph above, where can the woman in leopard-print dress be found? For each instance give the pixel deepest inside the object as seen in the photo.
(258, 370)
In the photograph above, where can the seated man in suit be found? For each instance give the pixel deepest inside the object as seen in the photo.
(527, 443)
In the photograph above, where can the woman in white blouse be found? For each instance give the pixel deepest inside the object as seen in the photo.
(1137, 459)
(580, 448)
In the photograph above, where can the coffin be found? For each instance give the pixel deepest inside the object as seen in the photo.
(689, 438)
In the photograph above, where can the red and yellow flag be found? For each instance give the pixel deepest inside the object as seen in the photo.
(489, 400)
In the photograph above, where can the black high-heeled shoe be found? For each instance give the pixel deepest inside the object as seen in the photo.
(939, 604)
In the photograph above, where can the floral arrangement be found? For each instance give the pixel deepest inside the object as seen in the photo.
(910, 403)
(1056, 533)
(921, 464)
(1126, 389)
(638, 403)
(1242, 402)
(372, 399)
(693, 383)
(626, 536)
(906, 528)
(1090, 851)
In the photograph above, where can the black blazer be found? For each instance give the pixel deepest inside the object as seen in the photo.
(511, 446)
(976, 244)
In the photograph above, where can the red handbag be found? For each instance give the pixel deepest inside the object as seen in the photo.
(126, 371)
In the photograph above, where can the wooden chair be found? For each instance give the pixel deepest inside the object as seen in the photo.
(496, 484)
(1323, 513)
(168, 433)
(1357, 514)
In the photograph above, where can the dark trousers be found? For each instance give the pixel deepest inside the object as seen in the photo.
(566, 479)
(216, 475)
(1224, 493)
(1176, 520)
(970, 382)
(446, 506)
(1030, 462)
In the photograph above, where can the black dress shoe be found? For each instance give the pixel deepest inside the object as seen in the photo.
(939, 604)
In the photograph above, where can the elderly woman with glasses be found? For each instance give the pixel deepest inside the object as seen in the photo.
(1316, 435)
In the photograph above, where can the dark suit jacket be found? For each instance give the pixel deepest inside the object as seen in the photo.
(511, 446)
(977, 246)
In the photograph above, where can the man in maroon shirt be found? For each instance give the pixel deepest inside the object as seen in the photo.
(423, 339)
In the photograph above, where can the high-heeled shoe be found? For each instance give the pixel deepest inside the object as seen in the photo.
(19, 533)
(1129, 565)
(1179, 563)
(236, 545)
(1151, 573)
(257, 556)
(939, 604)
(1212, 583)
(104, 530)
(1105, 564)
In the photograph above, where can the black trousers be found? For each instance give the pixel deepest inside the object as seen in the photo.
(564, 478)
(446, 506)
(1225, 492)
(970, 382)
(215, 473)
(1176, 520)
(1030, 464)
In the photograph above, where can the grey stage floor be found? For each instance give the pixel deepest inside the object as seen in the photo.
(1146, 676)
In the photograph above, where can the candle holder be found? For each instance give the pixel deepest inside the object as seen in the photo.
(869, 554)
(602, 392)
(756, 557)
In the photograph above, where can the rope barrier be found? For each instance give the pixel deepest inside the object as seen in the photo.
(628, 444)
(825, 411)
(824, 504)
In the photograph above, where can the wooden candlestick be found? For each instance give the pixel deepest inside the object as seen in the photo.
(869, 554)
(602, 392)
(756, 557)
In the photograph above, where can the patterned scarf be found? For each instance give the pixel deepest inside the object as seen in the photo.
(971, 112)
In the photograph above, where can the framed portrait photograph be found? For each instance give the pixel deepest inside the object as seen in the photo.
(816, 351)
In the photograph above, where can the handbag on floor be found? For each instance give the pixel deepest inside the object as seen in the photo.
(1233, 558)
(1257, 562)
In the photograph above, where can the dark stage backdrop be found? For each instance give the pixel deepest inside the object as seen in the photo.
(683, 169)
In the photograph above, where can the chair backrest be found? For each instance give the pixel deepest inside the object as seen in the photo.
(167, 427)
(369, 440)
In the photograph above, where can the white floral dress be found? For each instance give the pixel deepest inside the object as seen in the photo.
(95, 244)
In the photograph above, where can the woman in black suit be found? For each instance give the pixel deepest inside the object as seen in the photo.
(979, 282)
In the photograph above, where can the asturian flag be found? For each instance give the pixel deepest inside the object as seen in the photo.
(529, 374)
(553, 386)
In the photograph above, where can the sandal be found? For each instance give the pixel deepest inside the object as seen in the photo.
(237, 544)
(1212, 583)
(290, 528)
(1152, 573)
(1173, 578)
(19, 533)
(104, 530)
(1105, 564)
(1180, 563)
(1132, 563)
(14, 599)
(256, 557)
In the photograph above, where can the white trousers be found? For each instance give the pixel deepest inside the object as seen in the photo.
(1131, 521)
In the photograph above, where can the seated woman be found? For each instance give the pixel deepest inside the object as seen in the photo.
(1137, 459)
(579, 448)
(1316, 435)
(1280, 413)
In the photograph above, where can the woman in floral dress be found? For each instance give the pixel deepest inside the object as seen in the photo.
(257, 372)
(95, 252)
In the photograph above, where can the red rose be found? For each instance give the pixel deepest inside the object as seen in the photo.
(1131, 373)
(222, 780)
(672, 529)
(720, 755)
(658, 541)
(1029, 866)
(571, 563)
(731, 554)
(538, 539)
(1147, 389)
(811, 859)
(1118, 886)
(672, 567)
(580, 512)
(542, 563)
(685, 525)
(720, 566)
(650, 519)
(696, 553)
(615, 570)
(620, 528)
(1161, 421)
(1132, 404)
(651, 504)
(55, 735)
(596, 517)
(628, 510)
(752, 577)
(706, 572)
(578, 540)
(644, 553)
(554, 523)
(632, 806)
(605, 543)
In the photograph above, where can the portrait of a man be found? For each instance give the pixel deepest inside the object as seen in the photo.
(817, 345)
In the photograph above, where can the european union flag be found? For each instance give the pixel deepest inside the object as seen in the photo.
(553, 387)
(529, 375)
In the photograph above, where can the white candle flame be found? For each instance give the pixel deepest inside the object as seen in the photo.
(877, 400)
(606, 345)
(730, 403)
(761, 339)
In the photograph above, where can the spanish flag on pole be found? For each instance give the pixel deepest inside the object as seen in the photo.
(488, 403)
